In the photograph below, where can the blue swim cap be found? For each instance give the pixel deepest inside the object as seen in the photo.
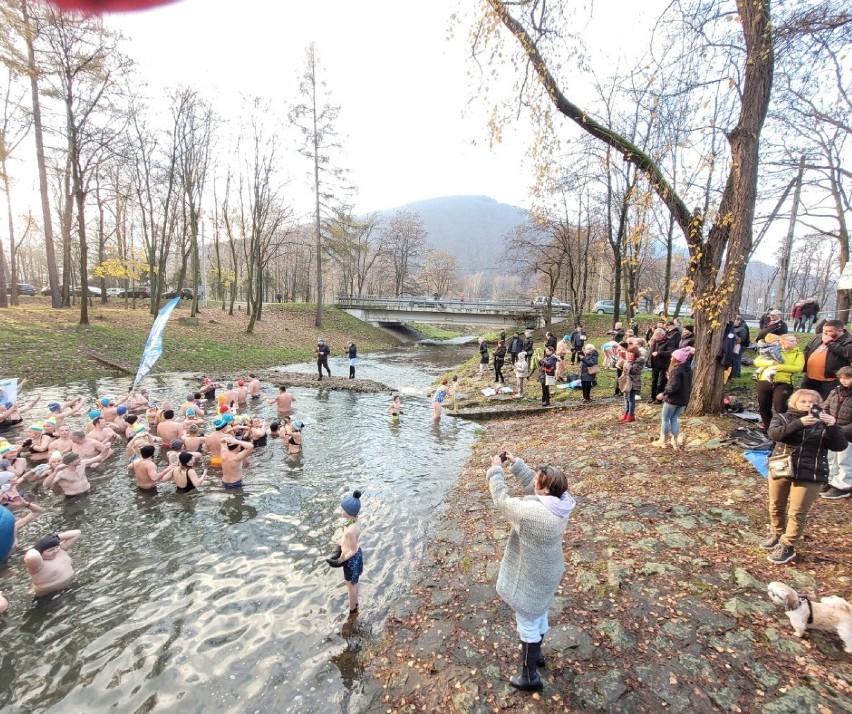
(219, 424)
(105, 401)
(122, 410)
(54, 406)
(94, 414)
(228, 418)
(8, 405)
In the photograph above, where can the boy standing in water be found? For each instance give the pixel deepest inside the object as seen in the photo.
(350, 557)
(395, 408)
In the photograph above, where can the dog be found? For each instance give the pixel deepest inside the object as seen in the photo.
(831, 613)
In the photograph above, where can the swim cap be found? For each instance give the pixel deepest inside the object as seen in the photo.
(50, 421)
(70, 457)
(46, 543)
(8, 405)
(297, 425)
(38, 426)
(54, 406)
(5, 447)
(352, 504)
(151, 405)
(222, 399)
(56, 454)
(219, 424)
(41, 469)
(228, 418)
(176, 443)
(139, 427)
(223, 408)
(105, 401)
(190, 412)
(94, 414)
(122, 410)
(240, 383)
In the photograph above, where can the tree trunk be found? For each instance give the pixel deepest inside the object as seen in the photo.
(788, 242)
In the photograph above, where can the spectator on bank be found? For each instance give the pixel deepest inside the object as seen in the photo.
(810, 310)
(775, 326)
(775, 384)
(528, 344)
(675, 397)
(617, 333)
(796, 314)
(630, 381)
(533, 562)
(483, 356)
(522, 371)
(562, 348)
(499, 361)
(547, 375)
(827, 352)
(742, 339)
(839, 405)
(662, 344)
(806, 436)
(588, 370)
(514, 347)
(578, 339)
(550, 340)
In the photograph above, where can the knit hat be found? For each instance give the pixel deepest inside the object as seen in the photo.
(352, 504)
(38, 426)
(50, 421)
(46, 543)
(5, 447)
(139, 427)
(683, 354)
(297, 425)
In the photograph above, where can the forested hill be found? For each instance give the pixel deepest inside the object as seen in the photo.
(470, 227)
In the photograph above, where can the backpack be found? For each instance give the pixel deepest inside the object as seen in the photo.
(732, 404)
(749, 439)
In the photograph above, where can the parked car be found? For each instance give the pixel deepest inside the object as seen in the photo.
(685, 310)
(23, 289)
(113, 292)
(555, 303)
(428, 301)
(76, 291)
(140, 291)
(607, 307)
(185, 294)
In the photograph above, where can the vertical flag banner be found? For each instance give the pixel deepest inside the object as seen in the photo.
(8, 390)
(154, 345)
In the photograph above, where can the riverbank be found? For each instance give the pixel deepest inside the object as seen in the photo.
(49, 347)
(663, 606)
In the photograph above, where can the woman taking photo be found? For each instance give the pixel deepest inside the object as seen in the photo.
(775, 384)
(588, 370)
(798, 468)
(547, 378)
(675, 397)
(499, 360)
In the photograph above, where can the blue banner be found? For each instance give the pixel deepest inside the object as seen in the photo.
(154, 345)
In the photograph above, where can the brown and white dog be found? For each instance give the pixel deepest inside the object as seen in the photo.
(831, 613)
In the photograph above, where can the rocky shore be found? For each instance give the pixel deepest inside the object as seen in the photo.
(663, 606)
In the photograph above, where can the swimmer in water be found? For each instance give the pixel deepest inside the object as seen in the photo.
(48, 562)
(293, 436)
(185, 477)
(350, 556)
(438, 399)
(147, 476)
(395, 408)
(283, 402)
(233, 456)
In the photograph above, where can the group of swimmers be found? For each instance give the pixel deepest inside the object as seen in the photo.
(53, 455)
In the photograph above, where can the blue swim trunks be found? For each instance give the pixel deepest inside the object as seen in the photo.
(353, 567)
(235, 484)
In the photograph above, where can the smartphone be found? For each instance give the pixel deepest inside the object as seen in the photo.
(816, 410)
(503, 456)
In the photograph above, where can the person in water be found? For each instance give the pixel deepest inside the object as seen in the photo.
(48, 563)
(395, 408)
(293, 436)
(233, 458)
(348, 554)
(185, 477)
(283, 402)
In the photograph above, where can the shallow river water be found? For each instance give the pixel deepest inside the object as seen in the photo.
(216, 601)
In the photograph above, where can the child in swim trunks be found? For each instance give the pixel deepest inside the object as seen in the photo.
(350, 556)
(395, 408)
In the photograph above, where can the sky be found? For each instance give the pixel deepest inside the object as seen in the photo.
(412, 123)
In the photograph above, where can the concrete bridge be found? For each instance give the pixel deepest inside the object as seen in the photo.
(427, 310)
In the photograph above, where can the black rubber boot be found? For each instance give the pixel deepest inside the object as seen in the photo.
(351, 373)
(541, 662)
(528, 680)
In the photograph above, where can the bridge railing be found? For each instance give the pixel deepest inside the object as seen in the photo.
(441, 304)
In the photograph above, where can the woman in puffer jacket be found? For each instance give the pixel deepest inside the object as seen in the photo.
(806, 433)
(775, 384)
(533, 562)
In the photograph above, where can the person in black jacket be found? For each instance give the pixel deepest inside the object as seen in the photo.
(660, 349)
(528, 345)
(806, 433)
(830, 350)
(675, 397)
(499, 360)
(578, 339)
(810, 310)
(775, 326)
(742, 339)
(515, 346)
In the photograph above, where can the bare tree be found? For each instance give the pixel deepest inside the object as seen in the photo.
(403, 244)
(438, 274)
(352, 243)
(316, 118)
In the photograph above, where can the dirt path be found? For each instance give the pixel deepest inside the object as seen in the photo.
(663, 605)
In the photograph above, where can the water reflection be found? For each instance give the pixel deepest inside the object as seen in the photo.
(223, 599)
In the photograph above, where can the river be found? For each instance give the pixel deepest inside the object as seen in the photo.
(221, 601)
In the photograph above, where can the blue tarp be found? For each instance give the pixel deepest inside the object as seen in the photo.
(760, 461)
